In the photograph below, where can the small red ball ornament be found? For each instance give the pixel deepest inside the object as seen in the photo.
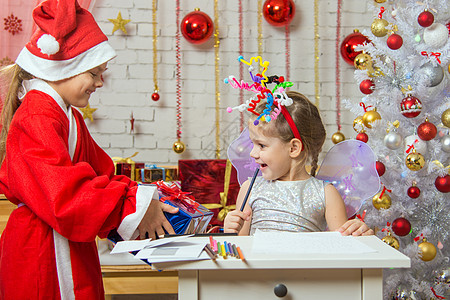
(155, 96)
(413, 192)
(279, 12)
(394, 41)
(410, 107)
(349, 44)
(362, 136)
(401, 226)
(427, 131)
(381, 169)
(366, 86)
(425, 18)
(443, 184)
(196, 27)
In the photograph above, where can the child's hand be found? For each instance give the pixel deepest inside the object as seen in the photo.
(355, 227)
(154, 221)
(235, 220)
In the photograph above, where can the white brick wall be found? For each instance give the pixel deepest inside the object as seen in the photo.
(129, 80)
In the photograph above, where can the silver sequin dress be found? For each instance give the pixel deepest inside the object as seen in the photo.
(295, 206)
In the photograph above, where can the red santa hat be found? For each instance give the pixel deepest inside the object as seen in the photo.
(66, 43)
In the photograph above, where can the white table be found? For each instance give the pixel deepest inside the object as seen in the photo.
(307, 276)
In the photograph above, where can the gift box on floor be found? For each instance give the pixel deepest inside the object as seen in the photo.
(213, 183)
(152, 173)
(126, 166)
(192, 217)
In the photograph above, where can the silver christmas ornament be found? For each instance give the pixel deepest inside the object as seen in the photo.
(393, 140)
(445, 142)
(434, 74)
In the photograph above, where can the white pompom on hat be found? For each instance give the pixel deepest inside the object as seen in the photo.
(67, 42)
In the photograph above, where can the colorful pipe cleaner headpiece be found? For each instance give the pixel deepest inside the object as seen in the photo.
(276, 97)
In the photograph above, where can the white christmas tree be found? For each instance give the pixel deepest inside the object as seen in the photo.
(404, 117)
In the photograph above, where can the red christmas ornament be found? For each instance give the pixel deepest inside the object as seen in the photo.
(155, 96)
(366, 86)
(348, 45)
(279, 12)
(426, 131)
(443, 184)
(380, 168)
(448, 27)
(196, 27)
(401, 226)
(362, 136)
(425, 18)
(394, 41)
(410, 107)
(413, 192)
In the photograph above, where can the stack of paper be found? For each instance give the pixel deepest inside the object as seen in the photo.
(178, 248)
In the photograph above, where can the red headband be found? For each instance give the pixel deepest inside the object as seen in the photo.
(291, 123)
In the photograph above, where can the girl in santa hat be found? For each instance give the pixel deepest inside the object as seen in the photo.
(62, 182)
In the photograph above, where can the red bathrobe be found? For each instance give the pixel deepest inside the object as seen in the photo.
(48, 249)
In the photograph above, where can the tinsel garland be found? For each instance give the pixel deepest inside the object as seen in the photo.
(241, 66)
(316, 52)
(217, 73)
(338, 71)
(178, 69)
(155, 49)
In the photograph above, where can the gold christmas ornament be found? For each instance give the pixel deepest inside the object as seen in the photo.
(119, 23)
(363, 61)
(391, 241)
(178, 147)
(415, 161)
(358, 124)
(381, 203)
(379, 27)
(445, 117)
(87, 112)
(380, 1)
(428, 250)
(337, 137)
(370, 116)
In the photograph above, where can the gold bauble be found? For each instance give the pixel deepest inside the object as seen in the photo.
(178, 147)
(358, 124)
(369, 117)
(379, 27)
(337, 137)
(445, 117)
(380, 1)
(428, 250)
(391, 241)
(362, 61)
(415, 161)
(384, 202)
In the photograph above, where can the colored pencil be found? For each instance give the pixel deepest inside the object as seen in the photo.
(249, 189)
(241, 255)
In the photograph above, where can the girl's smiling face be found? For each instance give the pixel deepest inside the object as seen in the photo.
(77, 90)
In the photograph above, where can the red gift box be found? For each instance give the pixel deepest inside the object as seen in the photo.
(205, 179)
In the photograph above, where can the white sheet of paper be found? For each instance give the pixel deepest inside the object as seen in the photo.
(128, 246)
(307, 242)
(172, 251)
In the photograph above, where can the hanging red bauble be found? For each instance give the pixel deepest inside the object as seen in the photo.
(413, 191)
(410, 107)
(425, 18)
(155, 96)
(380, 168)
(366, 86)
(426, 131)
(348, 45)
(394, 41)
(279, 12)
(443, 184)
(196, 27)
(362, 136)
(401, 226)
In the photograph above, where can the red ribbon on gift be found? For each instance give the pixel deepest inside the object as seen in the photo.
(173, 192)
(435, 54)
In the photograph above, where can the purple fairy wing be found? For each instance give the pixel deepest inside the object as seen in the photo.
(350, 167)
(239, 155)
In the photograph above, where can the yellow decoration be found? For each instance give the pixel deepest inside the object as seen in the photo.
(119, 23)
(380, 1)
(415, 161)
(379, 27)
(128, 160)
(362, 61)
(87, 112)
(395, 124)
(337, 137)
(370, 116)
(358, 124)
(391, 241)
(384, 202)
(223, 196)
(179, 147)
(217, 77)
(428, 250)
(445, 117)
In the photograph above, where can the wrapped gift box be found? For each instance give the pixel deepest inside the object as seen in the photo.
(128, 169)
(206, 179)
(153, 173)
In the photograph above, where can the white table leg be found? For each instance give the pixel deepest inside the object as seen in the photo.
(187, 284)
(372, 284)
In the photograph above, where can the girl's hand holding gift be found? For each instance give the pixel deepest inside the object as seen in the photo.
(155, 222)
(355, 227)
